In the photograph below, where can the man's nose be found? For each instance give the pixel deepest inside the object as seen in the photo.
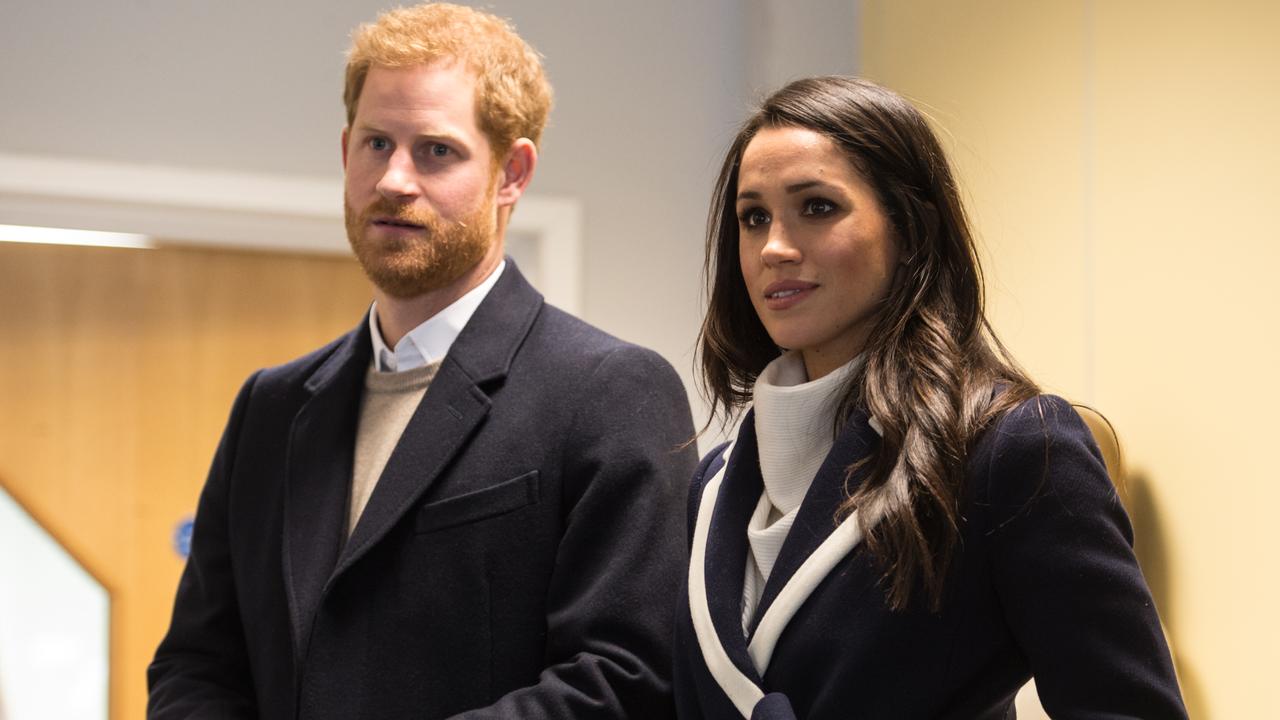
(399, 180)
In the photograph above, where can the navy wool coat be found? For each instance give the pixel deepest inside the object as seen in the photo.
(519, 556)
(1045, 582)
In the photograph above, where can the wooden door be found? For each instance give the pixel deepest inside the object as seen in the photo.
(117, 370)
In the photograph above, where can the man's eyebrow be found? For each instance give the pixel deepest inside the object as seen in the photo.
(442, 134)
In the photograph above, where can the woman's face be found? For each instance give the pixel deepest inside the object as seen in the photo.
(816, 248)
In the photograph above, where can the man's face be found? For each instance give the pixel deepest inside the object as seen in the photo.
(420, 179)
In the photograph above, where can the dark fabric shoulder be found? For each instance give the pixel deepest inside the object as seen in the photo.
(573, 333)
(622, 401)
(576, 357)
(1037, 413)
(1060, 549)
(1011, 462)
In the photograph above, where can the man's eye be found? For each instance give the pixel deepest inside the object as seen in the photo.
(753, 217)
(379, 144)
(438, 150)
(818, 206)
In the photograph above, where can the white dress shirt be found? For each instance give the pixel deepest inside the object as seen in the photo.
(430, 341)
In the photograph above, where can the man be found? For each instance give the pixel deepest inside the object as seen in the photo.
(470, 505)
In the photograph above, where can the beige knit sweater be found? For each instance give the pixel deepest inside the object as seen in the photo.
(390, 399)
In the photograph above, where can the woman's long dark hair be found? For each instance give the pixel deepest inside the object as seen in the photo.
(932, 364)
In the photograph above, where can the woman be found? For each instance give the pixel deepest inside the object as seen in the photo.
(904, 527)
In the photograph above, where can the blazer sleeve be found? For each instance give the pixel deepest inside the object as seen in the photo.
(201, 668)
(611, 603)
(1062, 559)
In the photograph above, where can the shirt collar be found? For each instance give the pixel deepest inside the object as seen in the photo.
(430, 341)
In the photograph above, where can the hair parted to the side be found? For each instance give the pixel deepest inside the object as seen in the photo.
(932, 363)
(513, 97)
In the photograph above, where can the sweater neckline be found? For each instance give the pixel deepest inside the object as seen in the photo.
(795, 425)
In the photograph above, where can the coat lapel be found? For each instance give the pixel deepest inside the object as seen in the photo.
(725, 560)
(454, 407)
(449, 413)
(318, 477)
(715, 616)
(815, 521)
(813, 547)
(322, 443)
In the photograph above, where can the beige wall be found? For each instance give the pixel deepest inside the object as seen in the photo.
(1121, 160)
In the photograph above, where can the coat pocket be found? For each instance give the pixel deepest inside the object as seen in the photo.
(505, 497)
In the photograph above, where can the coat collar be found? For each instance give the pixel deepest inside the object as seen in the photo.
(816, 517)
(322, 442)
(725, 557)
(719, 635)
(814, 546)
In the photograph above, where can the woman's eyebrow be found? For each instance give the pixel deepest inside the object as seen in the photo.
(802, 186)
(789, 189)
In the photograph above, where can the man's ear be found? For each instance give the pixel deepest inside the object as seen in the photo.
(345, 136)
(516, 171)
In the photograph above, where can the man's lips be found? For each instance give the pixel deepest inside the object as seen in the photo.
(391, 222)
(785, 293)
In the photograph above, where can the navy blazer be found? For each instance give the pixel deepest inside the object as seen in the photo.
(1045, 582)
(519, 556)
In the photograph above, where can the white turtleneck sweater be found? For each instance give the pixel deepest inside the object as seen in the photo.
(795, 430)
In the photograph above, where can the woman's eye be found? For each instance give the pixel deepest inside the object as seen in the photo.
(753, 217)
(438, 150)
(379, 143)
(818, 206)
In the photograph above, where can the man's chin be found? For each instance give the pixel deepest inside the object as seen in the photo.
(405, 287)
(412, 269)
(404, 283)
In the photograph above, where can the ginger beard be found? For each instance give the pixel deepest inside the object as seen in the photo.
(429, 260)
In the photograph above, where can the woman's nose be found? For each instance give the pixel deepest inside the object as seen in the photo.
(779, 246)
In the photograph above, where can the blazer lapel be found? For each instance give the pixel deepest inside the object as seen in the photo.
(813, 547)
(318, 477)
(716, 568)
(815, 520)
(715, 594)
(449, 413)
(453, 408)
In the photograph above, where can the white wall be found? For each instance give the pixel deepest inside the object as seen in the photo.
(647, 97)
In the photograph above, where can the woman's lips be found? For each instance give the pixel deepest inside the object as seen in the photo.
(787, 293)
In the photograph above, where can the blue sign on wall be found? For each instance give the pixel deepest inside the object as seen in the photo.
(182, 536)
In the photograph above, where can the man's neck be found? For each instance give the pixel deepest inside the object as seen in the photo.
(397, 315)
